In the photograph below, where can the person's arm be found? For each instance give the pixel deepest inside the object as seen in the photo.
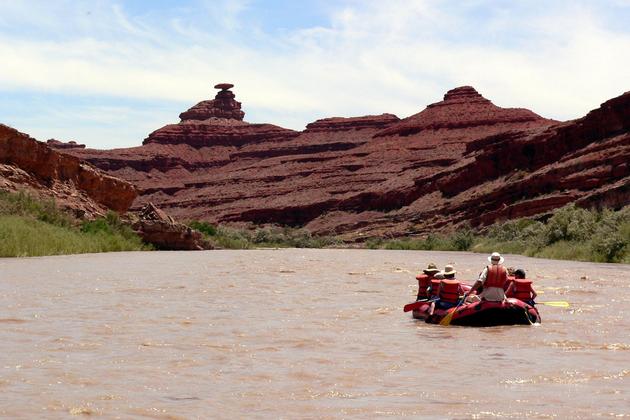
(509, 290)
(479, 283)
(534, 294)
(475, 288)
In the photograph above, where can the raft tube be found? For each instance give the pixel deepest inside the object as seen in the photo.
(482, 314)
(487, 314)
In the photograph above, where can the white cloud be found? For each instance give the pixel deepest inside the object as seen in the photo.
(372, 57)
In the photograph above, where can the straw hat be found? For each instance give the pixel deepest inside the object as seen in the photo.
(496, 258)
(431, 268)
(449, 269)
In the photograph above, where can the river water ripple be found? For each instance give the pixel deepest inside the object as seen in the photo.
(299, 334)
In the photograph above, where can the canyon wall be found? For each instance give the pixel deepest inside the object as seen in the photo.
(26, 164)
(460, 160)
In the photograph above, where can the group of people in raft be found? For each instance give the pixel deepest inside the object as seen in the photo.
(495, 283)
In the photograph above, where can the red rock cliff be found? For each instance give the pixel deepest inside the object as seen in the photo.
(25, 162)
(460, 160)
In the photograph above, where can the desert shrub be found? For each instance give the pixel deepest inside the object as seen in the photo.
(111, 226)
(463, 239)
(570, 223)
(203, 227)
(610, 248)
(570, 233)
(230, 238)
(374, 243)
(271, 236)
(515, 230)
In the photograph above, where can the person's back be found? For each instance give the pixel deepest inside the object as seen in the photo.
(434, 288)
(521, 288)
(493, 278)
(449, 293)
(424, 280)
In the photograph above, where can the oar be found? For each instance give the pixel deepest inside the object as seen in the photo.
(447, 319)
(557, 304)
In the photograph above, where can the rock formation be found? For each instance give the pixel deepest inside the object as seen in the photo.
(28, 164)
(222, 106)
(217, 122)
(460, 160)
(56, 144)
(157, 228)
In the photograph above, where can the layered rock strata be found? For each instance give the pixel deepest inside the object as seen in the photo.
(28, 164)
(460, 160)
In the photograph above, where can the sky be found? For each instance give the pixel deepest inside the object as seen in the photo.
(106, 73)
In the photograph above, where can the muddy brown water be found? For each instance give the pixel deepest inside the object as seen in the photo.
(299, 334)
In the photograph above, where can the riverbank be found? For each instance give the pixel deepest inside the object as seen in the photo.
(292, 332)
(31, 227)
(570, 233)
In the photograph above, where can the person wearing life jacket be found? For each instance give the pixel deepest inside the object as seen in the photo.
(433, 291)
(521, 288)
(492, 278)
(449, 272)
(424, 280)
(449, 290)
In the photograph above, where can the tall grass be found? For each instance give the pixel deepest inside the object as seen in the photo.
(264, 237)
(32, 227)
(571, 233)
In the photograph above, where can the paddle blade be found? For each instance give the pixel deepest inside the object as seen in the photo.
(557, 304)
(447, 319)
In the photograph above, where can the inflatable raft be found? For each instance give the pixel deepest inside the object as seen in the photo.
(480, 314)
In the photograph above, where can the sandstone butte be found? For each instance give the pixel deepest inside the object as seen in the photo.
(460, 160)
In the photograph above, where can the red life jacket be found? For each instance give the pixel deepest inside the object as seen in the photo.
(497, 276)
(509, 281)
(523, 289)
(435, 287)
(423, 283)
(449, 292)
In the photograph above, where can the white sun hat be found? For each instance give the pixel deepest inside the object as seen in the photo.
(496, 258)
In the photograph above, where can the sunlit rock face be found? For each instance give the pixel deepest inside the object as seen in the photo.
(29, 165)
(462, 160)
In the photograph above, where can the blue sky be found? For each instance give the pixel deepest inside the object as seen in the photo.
(107, 73)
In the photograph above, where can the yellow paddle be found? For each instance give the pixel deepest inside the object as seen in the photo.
(557, 304)
(447, 319)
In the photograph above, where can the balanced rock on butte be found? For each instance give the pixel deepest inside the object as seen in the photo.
(460, 160)
(217, 122)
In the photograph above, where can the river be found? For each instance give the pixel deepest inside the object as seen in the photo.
(300, 334)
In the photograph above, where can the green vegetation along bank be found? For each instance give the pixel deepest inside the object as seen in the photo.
(32, 227)
(571, 233)
(264, 237)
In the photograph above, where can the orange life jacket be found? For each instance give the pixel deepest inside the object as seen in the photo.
(497, 276)
(423, 283)
(435, 287)
(523, 289)
(449, 292)
(509, 281)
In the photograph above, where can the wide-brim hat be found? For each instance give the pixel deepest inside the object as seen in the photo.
(431, 268)
(449, 269)
(496, 258)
